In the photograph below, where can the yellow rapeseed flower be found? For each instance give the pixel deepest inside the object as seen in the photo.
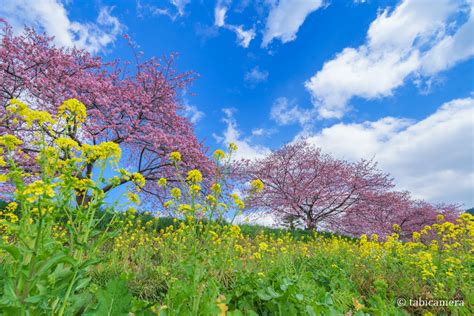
(138, 179)
(257, 185)
(175, 156)
(195, 188)
(37, 189)
(73, 108)
(176, 193)
(103, 151)
(216, 188)
(133, 198)
(10, 141)
(194, 176)
(218, 154)
(262, 246)
(232, 147)
(3, 178)
(161, 182)
(64, 142)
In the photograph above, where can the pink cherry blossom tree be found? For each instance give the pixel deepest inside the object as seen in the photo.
(134, 104)
(302, 182)
(381, 211)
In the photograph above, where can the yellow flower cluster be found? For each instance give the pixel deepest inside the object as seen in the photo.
(7, 216)
(218, 155)
(138, 179)
(82, 185)
(257, 185)
(66, 143)
(237, 201)
(73, 108)
(10, 142)
(175, 193)
(216, 188)
(28, 115)
(232, 147)
(103, 151)
(161, 182)
(175, 156)
(38, 189)
(133, 198)
(194, 176)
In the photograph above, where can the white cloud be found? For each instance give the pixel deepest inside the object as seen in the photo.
(180, 5)
(246, 150)
(244, 37)
(255, 76)
(451, 50)
(177, 9)
(219, 15)
(256, 218)
(286, 17)
(262, 132)
(286, 112)
(415, 39)
(51, 16)
(192, 113)
(433, 158)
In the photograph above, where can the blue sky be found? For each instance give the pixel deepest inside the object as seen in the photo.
(392, 80)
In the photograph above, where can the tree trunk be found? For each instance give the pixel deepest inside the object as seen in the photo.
(82, 199)
(310, 224)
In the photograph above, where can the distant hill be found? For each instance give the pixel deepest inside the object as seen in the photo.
(470, 211)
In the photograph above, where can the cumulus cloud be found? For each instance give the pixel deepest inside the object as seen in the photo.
(413, 40)
(433, 158)
(285, 19)
(246, 149)
(244, 37)
(285, 112)
(52, 17)
(255, 76)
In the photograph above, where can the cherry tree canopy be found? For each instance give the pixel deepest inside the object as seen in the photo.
(133, 104)
(302, 183)
(381, 211)
(300, 180)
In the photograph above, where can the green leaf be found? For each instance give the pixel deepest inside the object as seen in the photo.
(272, 292)
(263, 295)
(114, 300)
(35, 299)
(13, 251)
(310, 310)
(82, 283)
(55, 260)
(328, 300)
(9, 291)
